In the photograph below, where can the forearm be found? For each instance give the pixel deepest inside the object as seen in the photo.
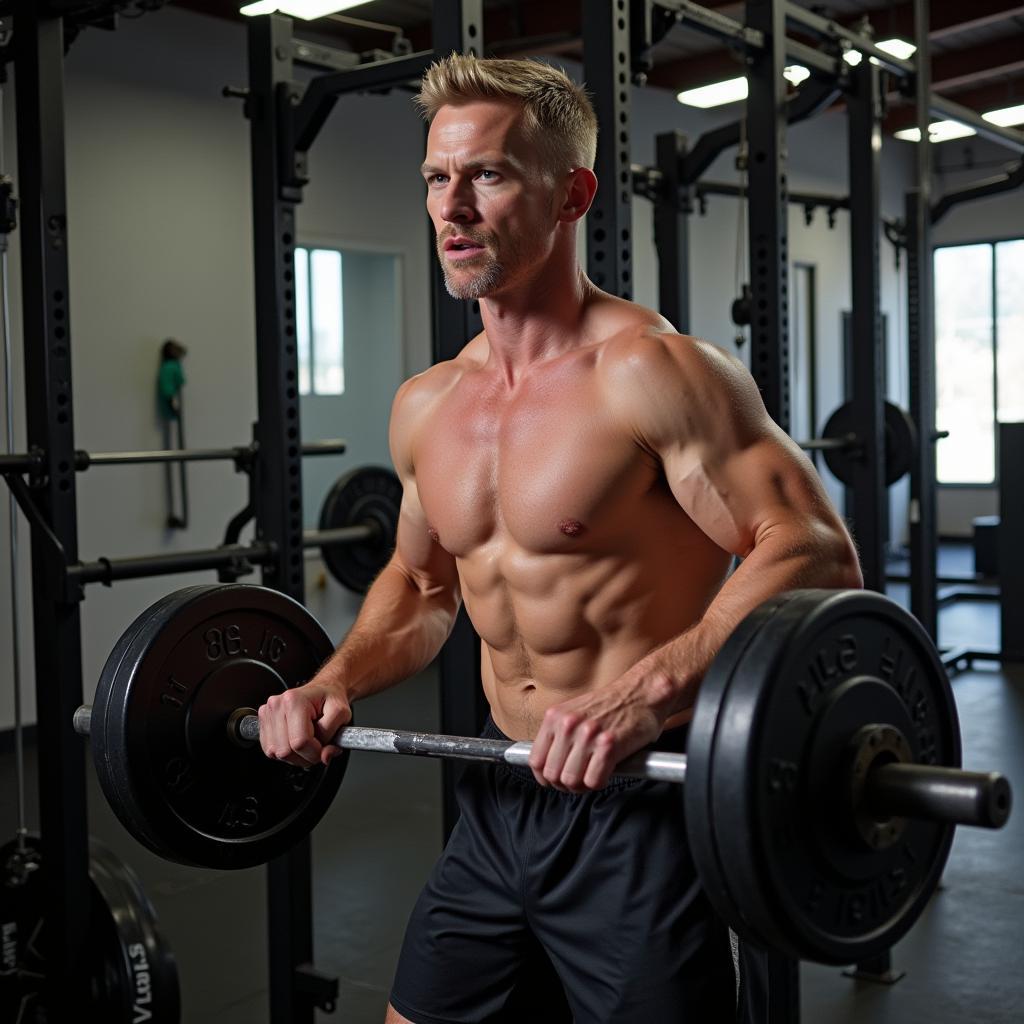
(787, 559)
(399, 630)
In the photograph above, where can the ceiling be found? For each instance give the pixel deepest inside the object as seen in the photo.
(977, 48)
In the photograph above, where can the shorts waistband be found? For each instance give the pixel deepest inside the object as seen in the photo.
(673, 740)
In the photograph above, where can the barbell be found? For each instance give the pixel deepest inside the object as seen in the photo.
(822, 778)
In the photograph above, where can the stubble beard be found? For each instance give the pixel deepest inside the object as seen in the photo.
(483, 282)
(492, 273)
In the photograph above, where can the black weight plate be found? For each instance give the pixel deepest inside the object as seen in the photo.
(712, 863)
(132, 973)
(813, 673)
(22, 963)
(159, 726)
(140, 980)
(108, 748)
(900, 443)
(369, 494)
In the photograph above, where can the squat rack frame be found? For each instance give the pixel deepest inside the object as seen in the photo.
(280, 112)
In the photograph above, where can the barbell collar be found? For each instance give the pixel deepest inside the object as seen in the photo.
(82, 720)
(934, 793)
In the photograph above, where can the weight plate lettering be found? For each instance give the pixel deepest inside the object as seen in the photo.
(133, 976)
(770, 771)
(159, 726)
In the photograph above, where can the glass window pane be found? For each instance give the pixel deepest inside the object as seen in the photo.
(302, 316)
(328, 366)
(963, 355)
(1010, 329)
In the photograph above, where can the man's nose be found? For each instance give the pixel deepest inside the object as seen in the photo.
(457, 206)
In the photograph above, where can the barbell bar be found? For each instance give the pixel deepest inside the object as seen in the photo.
(980, 799)
(358, 521)
(107, 570)
(822, 770)
(27, 462)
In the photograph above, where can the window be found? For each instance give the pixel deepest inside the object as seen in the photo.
(979, 349)
(318, 321)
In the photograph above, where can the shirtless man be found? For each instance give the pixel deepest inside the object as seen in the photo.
(581, 477)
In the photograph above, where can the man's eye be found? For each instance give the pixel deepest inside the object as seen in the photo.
(487, 175)
(437, 179)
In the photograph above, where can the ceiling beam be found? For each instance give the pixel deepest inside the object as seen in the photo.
(995, 96)
(948, 17)
(958, 68)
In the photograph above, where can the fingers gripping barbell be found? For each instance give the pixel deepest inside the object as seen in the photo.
(822, 774)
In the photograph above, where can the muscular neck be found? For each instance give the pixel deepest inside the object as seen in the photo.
(538, 318)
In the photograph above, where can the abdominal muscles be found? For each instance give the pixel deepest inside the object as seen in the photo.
(554, 626)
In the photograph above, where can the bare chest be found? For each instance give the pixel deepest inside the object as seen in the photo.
(548, 468)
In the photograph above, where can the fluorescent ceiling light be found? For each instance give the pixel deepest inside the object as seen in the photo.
(898, 48)
(853, 57)
(938, 131)
(716, 94)
(1007, 116)
(305, 9)
(733, 89)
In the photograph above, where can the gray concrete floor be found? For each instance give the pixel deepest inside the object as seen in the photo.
(964, 958)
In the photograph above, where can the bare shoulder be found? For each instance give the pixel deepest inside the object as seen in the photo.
(418, 396)
(663, 383)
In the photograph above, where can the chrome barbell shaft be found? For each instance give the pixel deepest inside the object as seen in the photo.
(656, 765)
(927, 792)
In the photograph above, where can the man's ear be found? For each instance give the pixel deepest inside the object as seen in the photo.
(579, 194)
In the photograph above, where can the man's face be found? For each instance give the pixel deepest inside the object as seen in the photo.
(491, 203)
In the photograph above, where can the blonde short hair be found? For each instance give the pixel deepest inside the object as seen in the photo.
(557, 112)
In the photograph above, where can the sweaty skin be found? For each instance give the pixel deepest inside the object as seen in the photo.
(580, 476)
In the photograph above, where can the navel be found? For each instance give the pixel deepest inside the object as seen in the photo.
(571, 527)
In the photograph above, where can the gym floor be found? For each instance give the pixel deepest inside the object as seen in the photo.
(379, 839)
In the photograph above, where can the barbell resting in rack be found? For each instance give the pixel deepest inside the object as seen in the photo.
(27, 462)
(358, 522)
(822, 773)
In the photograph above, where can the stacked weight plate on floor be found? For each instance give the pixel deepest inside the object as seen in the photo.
(132, 973)
(768, 799)
(159, 726)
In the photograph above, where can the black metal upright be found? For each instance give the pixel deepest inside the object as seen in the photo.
(672, 232)
(768, 209)
(279, 521)
(869, 492)
(39, 57)
(921, 354)
(1011, 552)
(457, 27)
(606, 70)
